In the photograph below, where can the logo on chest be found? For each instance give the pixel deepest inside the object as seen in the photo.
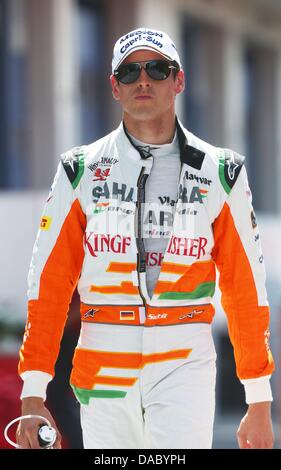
(102, 168)
(97, 243)
(181, 246)
(114, 191)
(195, 195)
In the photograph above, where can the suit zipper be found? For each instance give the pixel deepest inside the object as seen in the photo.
(141, 257)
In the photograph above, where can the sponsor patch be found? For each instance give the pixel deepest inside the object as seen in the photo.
(253, 219)
(127, 315)
(90, 313)
(102, 168)
(100, 174)
(115, 191)
(73, 163)
(104, 243)
(203, 192)
(45, 223)
(187, 246)
(101, 207)
(199, 179)
(196, 195)
(230, 165)
(157, 316)
(191, 314)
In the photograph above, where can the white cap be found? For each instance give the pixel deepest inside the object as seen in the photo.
(144, 38)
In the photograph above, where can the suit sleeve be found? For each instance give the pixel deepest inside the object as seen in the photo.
(54, 271)
(238, 256)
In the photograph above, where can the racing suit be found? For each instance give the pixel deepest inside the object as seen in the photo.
(144, 367)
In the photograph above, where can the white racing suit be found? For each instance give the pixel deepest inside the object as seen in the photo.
(144, 368)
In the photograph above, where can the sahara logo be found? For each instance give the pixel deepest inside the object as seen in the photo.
(197, 195)
(117, 191)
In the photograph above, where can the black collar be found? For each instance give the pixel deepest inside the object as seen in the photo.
(188, 154)
(143, 151)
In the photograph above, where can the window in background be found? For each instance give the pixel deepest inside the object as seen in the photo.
(260, 65)
(202, 62)
(3, 122)
(13, 83)
(92, 66)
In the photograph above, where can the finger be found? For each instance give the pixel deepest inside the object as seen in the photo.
(262, 444)
(269, 444)
(57, 444)
(21, 438)
(243, 443)
(32, 435)
(23, 442)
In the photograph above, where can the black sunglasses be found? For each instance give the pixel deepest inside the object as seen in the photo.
(155, 69)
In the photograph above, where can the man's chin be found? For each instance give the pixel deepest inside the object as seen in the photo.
(145, 114)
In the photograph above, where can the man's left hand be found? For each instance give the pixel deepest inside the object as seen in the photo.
(255, 430)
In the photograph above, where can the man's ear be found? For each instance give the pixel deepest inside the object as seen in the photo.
(179, 82)
(115, 87)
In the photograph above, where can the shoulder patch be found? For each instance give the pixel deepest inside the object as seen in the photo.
(74, 162)
(230, 164)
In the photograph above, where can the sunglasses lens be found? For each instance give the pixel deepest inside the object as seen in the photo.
(128, 73)
(158, 70)
(155, 69)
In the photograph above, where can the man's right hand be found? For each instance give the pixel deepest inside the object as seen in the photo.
(27, 431)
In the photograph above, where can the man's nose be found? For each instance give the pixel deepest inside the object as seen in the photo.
(144, 79)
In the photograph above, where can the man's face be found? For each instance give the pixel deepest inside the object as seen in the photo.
(147, 98)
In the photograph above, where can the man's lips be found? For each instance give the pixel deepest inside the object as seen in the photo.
(143, 97)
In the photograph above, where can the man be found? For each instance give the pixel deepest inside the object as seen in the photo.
(141, 218)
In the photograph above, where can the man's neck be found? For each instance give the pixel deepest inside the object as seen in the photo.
(159, 131)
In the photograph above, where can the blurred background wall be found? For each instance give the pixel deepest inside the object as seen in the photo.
(55, 62)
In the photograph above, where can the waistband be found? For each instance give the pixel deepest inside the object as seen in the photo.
(146, 316)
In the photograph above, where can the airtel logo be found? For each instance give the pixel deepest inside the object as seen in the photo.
(152, 316)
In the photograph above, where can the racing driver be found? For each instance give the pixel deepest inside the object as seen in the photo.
(140, 220)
